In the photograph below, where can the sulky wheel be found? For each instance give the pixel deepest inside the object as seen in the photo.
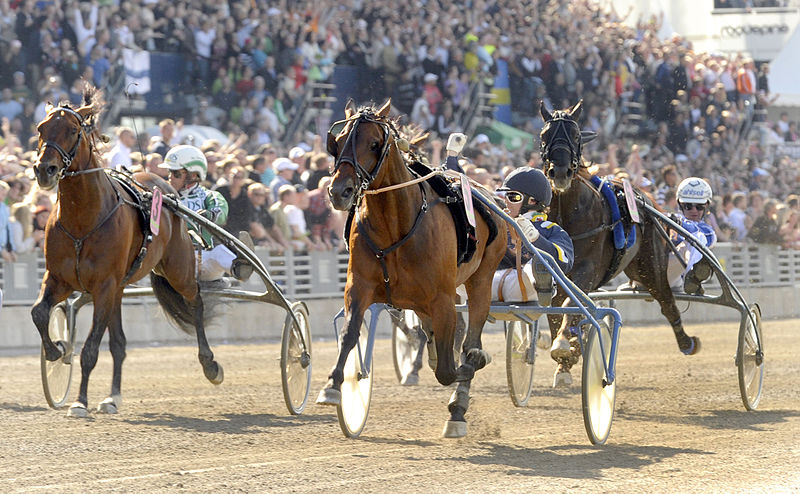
(750, 358)
(57, 375)
(296, 359)
(520, 356)
(597, 396)
(356, 388)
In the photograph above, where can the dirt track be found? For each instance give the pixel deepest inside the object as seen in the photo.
(679, 426)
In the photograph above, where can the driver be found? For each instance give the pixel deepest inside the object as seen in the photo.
(694, 197)
(527, 196)
(187, 167)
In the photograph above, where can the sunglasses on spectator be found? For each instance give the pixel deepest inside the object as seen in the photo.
(689, 206)
(514, 197)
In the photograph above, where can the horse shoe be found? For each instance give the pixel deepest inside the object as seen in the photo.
(78, 410)
(110, 405)
(329, 397)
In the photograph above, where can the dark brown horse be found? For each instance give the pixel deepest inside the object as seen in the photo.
(403, 251)
(93, 243)
(584, 213)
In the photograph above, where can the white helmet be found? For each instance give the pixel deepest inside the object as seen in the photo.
(187, 157)
(695, 190)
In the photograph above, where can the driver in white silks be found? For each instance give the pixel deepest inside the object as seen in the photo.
(187, 167)
(527, 194)
(694, 196)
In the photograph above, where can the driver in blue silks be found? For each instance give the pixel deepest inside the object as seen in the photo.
(694, 196)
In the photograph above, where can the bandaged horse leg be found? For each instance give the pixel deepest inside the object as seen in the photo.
(459, 403)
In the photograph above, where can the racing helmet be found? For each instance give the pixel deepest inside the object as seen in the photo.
(694, 190)
(187, 157)
(531, 182)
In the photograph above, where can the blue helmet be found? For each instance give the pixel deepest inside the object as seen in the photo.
(532, 182)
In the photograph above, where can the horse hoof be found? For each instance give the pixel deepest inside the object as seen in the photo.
(218, 377)
(329, 396)
(694, 348)
(454, 429)
(545, 340)
(478, 358)
(410, 379)
(560, 348)
(110, 405)
(78, 410)
(562, 379)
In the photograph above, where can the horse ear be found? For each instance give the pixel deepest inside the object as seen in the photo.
(546, 115)
(384, 111)
(333, 149)
(575, 111)
(48, 107)
(587, 136)
(349, 108)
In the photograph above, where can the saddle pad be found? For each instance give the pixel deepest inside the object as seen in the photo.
(452, 196)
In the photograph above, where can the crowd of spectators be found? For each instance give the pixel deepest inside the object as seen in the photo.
(662, 110)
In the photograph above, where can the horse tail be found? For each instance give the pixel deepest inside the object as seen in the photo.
(176, 308)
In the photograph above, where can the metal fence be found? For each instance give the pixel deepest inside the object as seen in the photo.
(318, 275)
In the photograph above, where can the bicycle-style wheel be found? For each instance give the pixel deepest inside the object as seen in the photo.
(520, 355)
(750, 359)
(597, 396)
(356, 389)
(57, 375)
(404, 344)
(296, 359)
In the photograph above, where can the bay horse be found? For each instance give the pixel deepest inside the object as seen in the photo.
(403, 251)
(584, 213)
(95, 243)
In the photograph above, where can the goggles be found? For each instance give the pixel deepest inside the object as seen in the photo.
(690, 205)
(514, 197)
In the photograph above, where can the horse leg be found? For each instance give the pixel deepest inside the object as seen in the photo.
(657, 282)
(50, 294)
(443, 324)
(211, 368)
(103, 309)
(331, 394)
(117, 344)
(661, 291)
(474, 358)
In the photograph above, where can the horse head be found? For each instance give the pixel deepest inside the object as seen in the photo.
(562, 141)
(66, 137)
(359, 144)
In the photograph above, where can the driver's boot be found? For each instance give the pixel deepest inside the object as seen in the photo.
(241, 269)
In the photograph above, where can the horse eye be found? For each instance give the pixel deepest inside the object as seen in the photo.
(374, 146)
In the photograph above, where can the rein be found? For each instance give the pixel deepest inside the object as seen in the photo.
(562, 142)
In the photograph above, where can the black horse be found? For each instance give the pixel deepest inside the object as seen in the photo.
(583, 211)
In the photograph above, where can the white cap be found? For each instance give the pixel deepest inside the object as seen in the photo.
(296, 152)
(431, 77)
(481, 138)
(281, 164)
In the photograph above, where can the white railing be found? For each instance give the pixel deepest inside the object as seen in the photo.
(318, 275)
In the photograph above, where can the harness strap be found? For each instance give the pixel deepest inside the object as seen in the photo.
(520, 275)
(382, 253)
(78, 242)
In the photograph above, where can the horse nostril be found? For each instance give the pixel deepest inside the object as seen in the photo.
(51, 170)
(347, 192)
(551, 173)
(569, 173)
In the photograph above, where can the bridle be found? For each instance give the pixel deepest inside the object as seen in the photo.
(561, 140)
(364, 177)
(67, 157)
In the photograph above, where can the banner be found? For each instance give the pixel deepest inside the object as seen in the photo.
(137, 70)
